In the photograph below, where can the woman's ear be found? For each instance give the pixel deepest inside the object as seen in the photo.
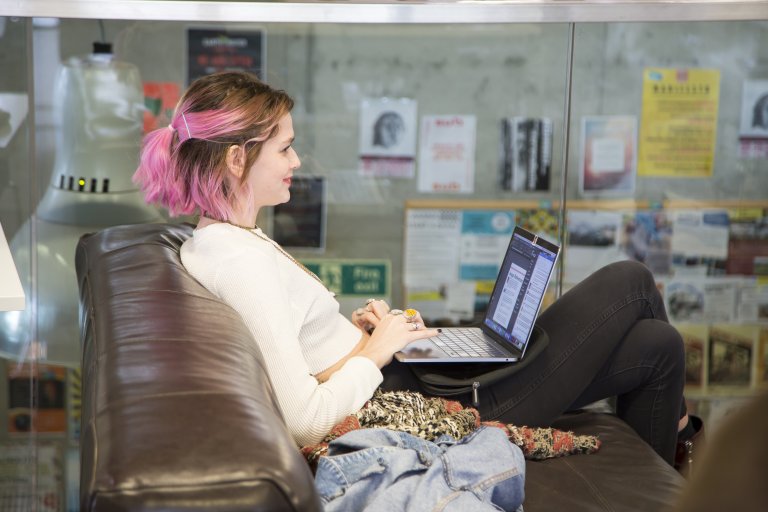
(236, 160)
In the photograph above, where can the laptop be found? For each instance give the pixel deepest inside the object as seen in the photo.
(505, 332)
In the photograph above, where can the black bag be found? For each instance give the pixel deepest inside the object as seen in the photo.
(454, 379)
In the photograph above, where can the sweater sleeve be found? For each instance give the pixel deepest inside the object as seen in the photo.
(310, 409)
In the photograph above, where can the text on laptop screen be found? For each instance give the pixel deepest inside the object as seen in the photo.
(527, 267)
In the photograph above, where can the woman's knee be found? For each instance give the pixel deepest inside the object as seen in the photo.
(631, 271)
(662, 341)
(637, 277)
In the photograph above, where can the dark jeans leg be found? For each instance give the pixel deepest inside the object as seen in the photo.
(593, 331)
(645, 373)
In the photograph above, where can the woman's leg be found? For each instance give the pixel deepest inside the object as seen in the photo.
(646, 374)
(586, 328)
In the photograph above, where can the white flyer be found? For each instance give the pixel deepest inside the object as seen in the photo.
(447, 154)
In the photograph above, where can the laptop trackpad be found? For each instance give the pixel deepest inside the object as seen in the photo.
(421, 350)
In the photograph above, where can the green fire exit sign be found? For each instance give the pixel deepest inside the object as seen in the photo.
(353, 278)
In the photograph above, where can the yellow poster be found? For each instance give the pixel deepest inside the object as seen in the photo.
(679, 122)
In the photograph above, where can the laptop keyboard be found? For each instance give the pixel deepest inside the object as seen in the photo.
(460, 342)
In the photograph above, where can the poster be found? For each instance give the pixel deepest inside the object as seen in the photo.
(447, 154)
(762, 362)
(754, 109)
(217, 49)
(74, 402)
(432, 239)
(752, 302)
(526, 157)
(679, 122)
(747, 241)
(160, 100)
(31, 480)
(648, 239)
(301, 222)
(696, 341)
(485, 235)
(731, 349)
(540, 221)
(608, 157)
(46, 385)
(706, 299)
(388, 137)
(593, 241)
(452, 258)
(700, 234)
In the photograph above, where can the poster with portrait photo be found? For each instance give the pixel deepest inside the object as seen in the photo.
(608, 155)
(388, 131)
(300, 223)
(754, 109)
(753, 128)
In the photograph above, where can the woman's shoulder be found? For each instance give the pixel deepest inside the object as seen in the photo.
(222, 242)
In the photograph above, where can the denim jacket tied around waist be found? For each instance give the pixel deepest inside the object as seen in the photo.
(382, 470)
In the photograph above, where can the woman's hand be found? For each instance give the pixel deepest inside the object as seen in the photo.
(383, 334)
(394, 331)
(369, 316)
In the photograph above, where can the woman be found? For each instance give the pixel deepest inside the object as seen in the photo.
(228, 153)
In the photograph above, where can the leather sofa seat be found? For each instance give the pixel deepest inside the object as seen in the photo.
(178, 412)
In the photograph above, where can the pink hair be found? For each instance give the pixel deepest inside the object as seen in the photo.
(183, 167)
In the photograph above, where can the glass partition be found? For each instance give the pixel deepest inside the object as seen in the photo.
(618, 140)
(31, 393)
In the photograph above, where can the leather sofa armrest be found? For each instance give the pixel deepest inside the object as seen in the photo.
(177, 409)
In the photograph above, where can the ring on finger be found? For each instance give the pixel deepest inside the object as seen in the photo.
(410, 314)
(395, 311)
(415, 326)
(368, 301)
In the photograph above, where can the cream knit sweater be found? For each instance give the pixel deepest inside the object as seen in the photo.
(294, 320)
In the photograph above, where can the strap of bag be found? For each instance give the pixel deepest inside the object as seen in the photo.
(452, 379)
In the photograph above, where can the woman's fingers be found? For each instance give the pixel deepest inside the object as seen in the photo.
(379, 308)
(408, 327)
(368, 316)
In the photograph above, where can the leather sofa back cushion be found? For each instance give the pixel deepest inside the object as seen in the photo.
(178, 411)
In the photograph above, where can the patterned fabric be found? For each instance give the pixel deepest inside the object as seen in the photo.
(429, 418)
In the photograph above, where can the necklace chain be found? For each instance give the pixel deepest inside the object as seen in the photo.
(252, 230)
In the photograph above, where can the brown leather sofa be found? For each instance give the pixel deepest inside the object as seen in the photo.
(178, 413)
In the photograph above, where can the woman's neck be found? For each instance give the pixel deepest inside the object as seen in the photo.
(204, 221)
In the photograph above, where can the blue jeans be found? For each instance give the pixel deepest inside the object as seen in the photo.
(608, 337)
(383, 470)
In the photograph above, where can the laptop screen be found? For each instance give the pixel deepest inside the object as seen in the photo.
(520, 287)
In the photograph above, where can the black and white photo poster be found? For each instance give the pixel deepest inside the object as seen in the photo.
(526, 160)
(753, 128)
(388, 129)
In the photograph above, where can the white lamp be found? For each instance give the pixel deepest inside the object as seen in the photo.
(100, 104)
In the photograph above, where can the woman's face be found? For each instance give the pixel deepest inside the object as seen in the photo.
(271, 173)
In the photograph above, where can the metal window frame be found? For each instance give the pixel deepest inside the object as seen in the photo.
(395, 11)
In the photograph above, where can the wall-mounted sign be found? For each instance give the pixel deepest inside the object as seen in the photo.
(353, 278)
(210, 50)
